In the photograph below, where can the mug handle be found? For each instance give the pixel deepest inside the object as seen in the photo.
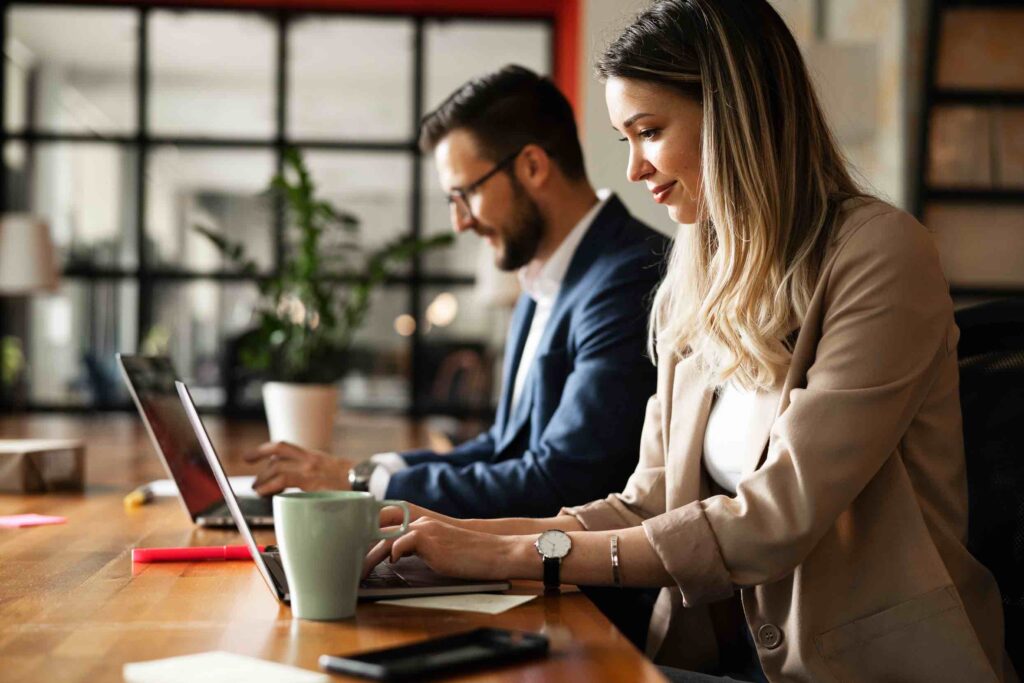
(405, 522)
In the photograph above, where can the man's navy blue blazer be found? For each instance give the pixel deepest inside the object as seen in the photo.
(574, 434)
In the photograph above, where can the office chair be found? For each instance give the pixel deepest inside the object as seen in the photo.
(991, 352)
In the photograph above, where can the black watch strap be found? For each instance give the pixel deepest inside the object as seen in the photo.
(552, 565)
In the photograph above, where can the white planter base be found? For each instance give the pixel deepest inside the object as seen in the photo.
(302, 414)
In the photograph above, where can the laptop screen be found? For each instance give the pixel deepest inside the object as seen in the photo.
(213, 463)
(151, 381)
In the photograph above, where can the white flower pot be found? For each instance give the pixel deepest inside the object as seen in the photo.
(302, 414)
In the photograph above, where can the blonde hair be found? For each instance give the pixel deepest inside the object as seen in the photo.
(772, 177)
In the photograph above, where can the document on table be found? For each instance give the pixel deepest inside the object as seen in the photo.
(218, 667)
(15, 446)
(486, 603)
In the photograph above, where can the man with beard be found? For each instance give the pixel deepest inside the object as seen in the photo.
(576, 375)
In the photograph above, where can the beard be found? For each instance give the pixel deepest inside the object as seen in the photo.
(527, 226)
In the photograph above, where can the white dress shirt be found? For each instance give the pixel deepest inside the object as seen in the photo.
(738, 418)
(541, 282)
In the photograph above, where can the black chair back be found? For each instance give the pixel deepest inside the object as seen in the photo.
(991, 352)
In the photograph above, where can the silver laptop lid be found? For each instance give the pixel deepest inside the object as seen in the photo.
(222, 481)
(150, 381)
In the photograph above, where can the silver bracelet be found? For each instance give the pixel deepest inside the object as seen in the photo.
(616, 577)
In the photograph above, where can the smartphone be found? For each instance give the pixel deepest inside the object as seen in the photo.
(459, 652)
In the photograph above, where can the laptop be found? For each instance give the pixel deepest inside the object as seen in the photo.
(408, 577)
(150, 381)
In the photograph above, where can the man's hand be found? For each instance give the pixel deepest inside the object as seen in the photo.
(287, 465)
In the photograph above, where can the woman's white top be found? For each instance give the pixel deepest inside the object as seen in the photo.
(739, 419)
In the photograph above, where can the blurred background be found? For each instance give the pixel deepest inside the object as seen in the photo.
(125, 124)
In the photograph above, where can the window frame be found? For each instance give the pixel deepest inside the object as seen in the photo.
(562, 16)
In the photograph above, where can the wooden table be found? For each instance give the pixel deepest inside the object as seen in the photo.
(73, 608)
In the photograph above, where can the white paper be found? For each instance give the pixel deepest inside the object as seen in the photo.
(218, 667)
(17, 446)
(485, 603)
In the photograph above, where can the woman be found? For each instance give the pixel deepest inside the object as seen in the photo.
(801, 493)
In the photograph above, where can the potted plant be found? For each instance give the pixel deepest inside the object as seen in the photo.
(312, 306)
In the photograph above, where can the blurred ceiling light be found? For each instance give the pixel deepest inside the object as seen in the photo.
(405, 325)
(443, 309)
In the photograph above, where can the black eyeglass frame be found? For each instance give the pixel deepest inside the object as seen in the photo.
(459, 196)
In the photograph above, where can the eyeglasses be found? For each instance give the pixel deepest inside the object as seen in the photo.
(459, 196)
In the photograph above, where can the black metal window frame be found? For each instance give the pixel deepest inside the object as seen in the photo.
(141, 142)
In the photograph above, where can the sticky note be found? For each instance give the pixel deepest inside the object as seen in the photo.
(15, 521)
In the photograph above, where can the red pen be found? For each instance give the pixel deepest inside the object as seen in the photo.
(192, 553)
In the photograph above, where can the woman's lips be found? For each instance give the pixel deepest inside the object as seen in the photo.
(661, 192)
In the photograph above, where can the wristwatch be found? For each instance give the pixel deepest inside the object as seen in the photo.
(359, 475)
(553, 545)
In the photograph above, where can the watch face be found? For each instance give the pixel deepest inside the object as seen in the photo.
(554, 543)
(364, 469)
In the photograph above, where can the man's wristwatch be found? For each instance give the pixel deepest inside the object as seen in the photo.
(553, 545)
(359, 475)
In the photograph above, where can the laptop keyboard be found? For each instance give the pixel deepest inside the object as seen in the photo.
(255, 507)
(382, 576)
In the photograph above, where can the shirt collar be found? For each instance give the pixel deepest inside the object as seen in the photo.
(541, 281)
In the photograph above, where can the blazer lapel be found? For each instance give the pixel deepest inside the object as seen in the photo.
(691, 406)
(590, 247)
(520, 328)
(804, 342)
(765, 409)
(520, 413)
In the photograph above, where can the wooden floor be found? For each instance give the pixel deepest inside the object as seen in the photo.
(73, 608)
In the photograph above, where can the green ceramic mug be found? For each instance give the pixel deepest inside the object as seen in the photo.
(323, 537)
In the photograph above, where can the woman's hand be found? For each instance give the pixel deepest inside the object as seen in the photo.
(452, 551)
(392, 516)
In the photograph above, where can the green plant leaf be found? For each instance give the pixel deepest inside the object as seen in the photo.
(305, 323)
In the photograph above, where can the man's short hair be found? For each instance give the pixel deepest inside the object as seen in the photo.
(506, 110)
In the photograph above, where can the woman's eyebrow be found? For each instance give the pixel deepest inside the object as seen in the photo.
(634, 118)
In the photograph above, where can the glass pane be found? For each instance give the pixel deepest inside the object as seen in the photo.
(195, 324)
(379, 362)
(981, 48)
(74, 335)
(1009, 147)
(85, 191)
(342, 84)
(71, 70)
(463, 332)
(212, 74)
(981, 246)
(459, 50)
(222, 190)
(961, 147)
(373, 186)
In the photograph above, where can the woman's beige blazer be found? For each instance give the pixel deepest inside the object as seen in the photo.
(846, 536)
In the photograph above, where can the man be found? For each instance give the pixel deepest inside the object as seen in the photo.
(576, 378)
